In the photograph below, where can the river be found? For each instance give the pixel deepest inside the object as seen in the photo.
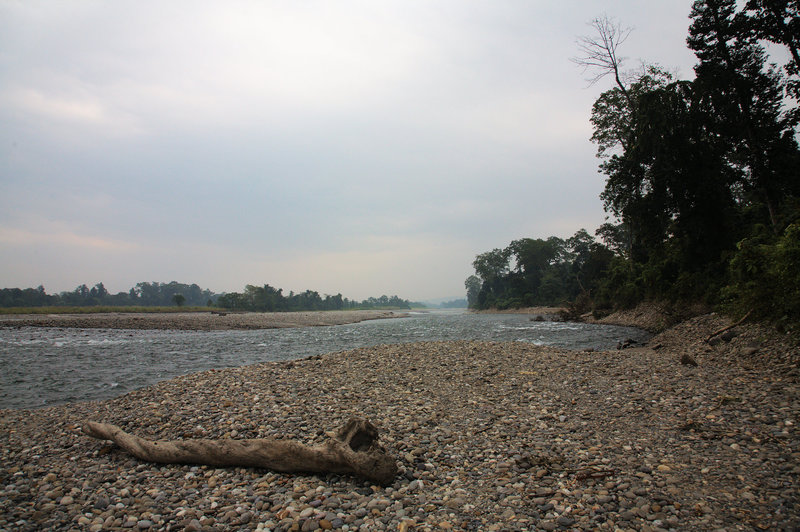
(47, 366)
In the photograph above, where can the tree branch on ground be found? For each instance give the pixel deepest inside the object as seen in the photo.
(352, 450)
(729, 327)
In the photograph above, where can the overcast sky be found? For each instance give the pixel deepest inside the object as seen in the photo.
(362, 148)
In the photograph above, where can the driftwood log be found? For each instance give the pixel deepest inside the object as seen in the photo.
(354, 451)
(729, 327)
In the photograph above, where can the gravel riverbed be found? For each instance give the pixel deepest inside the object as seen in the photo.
(196, 321)
(488, 436)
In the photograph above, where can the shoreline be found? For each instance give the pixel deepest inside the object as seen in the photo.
(652, 317)
(487, 435)
(543, 311)
(198, 321)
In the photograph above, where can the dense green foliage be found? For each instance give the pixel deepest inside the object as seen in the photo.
(765, 278)
(702, 182)
(269, 299)
(100, 309)
(532, 272)
(149, 295)
(143, 294)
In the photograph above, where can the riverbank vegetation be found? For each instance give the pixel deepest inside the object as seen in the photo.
(165, 297)
(101, 309)
(268, 299)
(142, 295)
(702, 180)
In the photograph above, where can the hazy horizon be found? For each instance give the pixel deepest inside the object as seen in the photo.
(358, 148)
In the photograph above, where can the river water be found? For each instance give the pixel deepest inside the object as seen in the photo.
(47, 366)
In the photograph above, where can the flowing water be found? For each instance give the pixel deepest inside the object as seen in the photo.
(46, 366)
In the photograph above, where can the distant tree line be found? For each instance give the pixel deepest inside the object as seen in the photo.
(455, 303)
(269, 299)
(143, 294)
(702, 179)
(254, 298)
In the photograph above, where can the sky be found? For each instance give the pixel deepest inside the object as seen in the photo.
(354, 147)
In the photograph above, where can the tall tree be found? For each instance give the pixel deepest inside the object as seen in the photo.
(666, 154)
(492, 267)
(473, 286)
(778, 21)
(746, 96)
(629, 195)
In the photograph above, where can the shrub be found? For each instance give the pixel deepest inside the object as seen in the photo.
(765, 279)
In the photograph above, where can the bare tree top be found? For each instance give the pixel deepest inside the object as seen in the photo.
(599, 52)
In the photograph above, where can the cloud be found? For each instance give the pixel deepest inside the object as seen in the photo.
(58, 236)
(307, 145)
(372, 266)
(59, 108)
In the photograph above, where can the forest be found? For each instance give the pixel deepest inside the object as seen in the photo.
(702, 179)
(143, 294)
(269, 299)
(155, 294)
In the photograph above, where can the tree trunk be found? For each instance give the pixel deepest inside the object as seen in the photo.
(354, 451)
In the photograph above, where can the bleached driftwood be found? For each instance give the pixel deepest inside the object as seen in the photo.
(354, 451)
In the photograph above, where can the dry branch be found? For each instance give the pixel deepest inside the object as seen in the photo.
(354, 450)
(600, 51)
(731, 326)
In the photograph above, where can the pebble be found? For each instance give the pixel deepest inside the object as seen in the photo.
(488, 436)
(565, 521)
